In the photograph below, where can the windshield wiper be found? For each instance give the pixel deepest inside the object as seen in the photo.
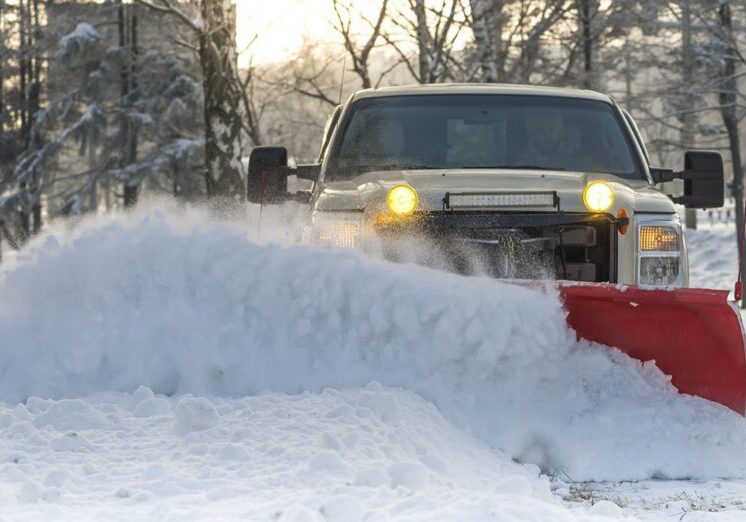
(519, 167)
(405, 167)
(387, 166)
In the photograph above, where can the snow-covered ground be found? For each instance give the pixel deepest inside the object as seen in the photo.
(713, 256)
(166, 366)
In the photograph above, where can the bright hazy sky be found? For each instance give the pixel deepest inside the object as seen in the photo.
(281, 25)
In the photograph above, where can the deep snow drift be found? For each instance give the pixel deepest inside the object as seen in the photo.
(359, 455)
(181, 304)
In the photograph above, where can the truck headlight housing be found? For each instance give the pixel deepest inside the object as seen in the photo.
(598, 196)
(659, 251)
(659, 271)
(402, 200)
(337, 229)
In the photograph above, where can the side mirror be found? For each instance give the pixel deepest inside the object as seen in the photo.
(704, 185)
(703, 177)
(308, 172)
(268, 175)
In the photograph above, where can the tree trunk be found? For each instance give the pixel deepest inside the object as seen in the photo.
(482, 13)
(688, 118)
(131, 190)
(628, 76)
(24, 217)
(127, 25)
(23, 70)
(34, 60)
(585, 17)
(2, 66)
(92, 194)
(24, 79)
(35, 103)
(37, 215)
(728, 99)
(217, 51)
(423, 42)
(93, 199)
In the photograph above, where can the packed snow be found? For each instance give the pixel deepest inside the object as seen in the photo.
(164, 364)
(353, 455)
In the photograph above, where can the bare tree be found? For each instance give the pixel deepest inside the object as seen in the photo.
(587, 10)
(434, 32)
(312, 73)
(728, 98)
(510, 36)
(688, 118)
(127, 29)
(359, 55)
(252, 110)
(295, 98)
(3, 55)
(486, 24)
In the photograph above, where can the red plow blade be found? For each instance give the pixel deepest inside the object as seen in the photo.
(693, 335)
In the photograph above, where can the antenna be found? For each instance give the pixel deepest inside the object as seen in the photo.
(342, 83)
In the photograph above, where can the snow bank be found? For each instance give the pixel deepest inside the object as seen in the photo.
(185, 305)
(713, 256)
(366, 454)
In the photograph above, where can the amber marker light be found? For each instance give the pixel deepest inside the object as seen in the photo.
(622, 214)
(659, 238)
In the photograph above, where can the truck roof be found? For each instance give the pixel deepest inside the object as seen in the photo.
(480, 88)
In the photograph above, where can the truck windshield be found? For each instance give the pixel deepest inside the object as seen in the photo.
(483, 132)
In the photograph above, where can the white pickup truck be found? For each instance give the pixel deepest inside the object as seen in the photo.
(508, 181)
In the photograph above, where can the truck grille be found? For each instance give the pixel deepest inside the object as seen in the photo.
(575, 247)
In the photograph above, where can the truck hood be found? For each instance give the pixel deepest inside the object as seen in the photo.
(368, 191)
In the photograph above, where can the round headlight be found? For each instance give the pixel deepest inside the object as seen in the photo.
(402, 200)
(598, 196)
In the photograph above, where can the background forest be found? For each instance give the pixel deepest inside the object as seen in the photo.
(101, 101)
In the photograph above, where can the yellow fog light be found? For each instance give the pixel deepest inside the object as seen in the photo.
(402, 200)
(598, 197)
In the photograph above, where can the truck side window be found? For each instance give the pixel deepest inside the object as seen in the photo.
(331, 124)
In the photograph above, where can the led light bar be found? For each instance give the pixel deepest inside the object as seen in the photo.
(504, 201)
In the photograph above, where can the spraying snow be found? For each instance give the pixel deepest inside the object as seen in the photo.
(185, 305)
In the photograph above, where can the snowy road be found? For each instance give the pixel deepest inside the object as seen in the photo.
(283, 350)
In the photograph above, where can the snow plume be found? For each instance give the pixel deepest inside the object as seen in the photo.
(183, 304)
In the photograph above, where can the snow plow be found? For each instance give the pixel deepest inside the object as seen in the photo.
(524, 184)
(693, 335)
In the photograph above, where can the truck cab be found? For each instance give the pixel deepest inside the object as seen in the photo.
(512, 182)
